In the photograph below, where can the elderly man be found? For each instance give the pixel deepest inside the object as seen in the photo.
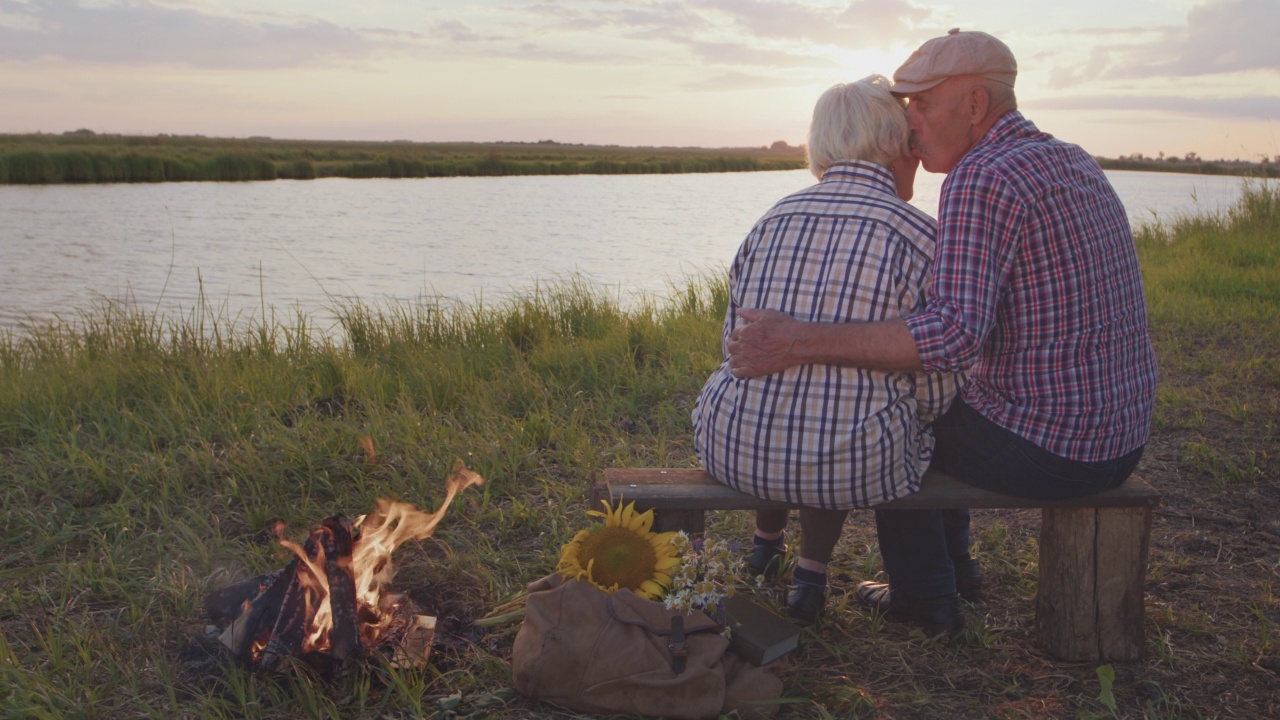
(1036, 293)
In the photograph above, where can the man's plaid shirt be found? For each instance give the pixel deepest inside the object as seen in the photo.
(1037, 296)
(844, 250)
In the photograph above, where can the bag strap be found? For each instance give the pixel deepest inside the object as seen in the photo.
(678, 632)
(679, 653)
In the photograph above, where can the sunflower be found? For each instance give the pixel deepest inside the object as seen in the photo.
(621, 553)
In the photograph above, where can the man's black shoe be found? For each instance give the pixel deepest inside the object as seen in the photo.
(937, 616)
(766, 560)
(805, 602)
(968, 578)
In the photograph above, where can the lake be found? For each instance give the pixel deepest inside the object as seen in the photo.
(292, 246)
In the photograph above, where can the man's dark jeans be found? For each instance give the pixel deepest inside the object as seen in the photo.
(917, 546)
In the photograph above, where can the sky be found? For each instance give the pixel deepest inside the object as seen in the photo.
(1118, 77)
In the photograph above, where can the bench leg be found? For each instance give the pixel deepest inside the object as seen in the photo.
(693, 522)
(1093, 564)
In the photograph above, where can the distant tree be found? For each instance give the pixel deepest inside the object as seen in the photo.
(1192, 156)
(780, 145)
(81, 131)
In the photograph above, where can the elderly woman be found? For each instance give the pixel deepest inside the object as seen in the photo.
(823, 437)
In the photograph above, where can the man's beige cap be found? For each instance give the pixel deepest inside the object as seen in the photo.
(957, 53)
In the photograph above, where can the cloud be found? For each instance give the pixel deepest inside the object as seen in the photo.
(139, 33)
(631, 18)
(534, 52)
(1228, 36)
(738, 54)
(738, 81)
(873, 23)
(1262, 107)
(885, 23)
(457, 31)
(1220, 36)
(776, 20)
(897, 19)
(565, 33)
(758, 33)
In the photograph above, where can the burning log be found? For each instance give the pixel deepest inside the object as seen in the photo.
(332, 603)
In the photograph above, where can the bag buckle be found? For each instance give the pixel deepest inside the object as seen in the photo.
(679, 653)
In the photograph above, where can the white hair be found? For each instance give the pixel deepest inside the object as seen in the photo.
(857, 121)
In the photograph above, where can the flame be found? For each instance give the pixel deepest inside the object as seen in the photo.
(375, 537)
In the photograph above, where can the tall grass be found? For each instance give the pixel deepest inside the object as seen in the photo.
(1241, 168)
(1217, 270)
(1213, 288)
(46, 159)
(45, 168)
(141, 457)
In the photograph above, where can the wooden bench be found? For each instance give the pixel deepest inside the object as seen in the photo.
(1093, 550)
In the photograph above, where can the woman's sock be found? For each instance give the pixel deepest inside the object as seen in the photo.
(778, 542)
(802, 576)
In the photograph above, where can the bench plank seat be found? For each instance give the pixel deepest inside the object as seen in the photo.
(1093, 550)
(695, 489)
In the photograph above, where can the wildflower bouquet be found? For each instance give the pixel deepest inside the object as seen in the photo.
(623, 552)
(703, 579)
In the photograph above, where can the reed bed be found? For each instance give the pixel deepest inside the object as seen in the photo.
(1242, 168)
(141, 458)
(73, 158)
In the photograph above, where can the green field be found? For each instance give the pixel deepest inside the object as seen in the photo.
(90, 158)
(142, 457)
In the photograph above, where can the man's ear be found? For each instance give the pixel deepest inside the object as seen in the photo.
(979, 104)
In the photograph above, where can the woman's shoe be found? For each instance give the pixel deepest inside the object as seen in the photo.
(805, 602)
(766, 560)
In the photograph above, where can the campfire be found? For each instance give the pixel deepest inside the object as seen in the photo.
(332, 603)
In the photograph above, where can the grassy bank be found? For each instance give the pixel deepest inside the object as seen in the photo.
(141, 458)
(1195, 166)
(89, 158)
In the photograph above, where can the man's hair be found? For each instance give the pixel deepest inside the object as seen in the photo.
(857, 121)
(1002, 94)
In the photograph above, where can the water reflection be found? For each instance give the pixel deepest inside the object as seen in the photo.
(238, 248)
